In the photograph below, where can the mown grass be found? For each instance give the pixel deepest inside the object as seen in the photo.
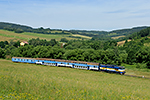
(122, 42)
(12, 36)
(87, 37)
(44, 36)
(30, 81)
(117, 37)
(9, 35)
(28, 35)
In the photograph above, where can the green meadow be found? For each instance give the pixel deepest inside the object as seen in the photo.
(19, 81)
(10, 35)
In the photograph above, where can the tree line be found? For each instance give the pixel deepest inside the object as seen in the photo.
(104, 52)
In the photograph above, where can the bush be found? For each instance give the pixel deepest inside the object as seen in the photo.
(141, 65)
(8, 57)
(19, 31)
(63, 40)
(2, 54)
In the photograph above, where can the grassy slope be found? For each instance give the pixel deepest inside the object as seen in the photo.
(132, 70)
(8, 35)
(31, 81)
(117, 37)
(120, 43)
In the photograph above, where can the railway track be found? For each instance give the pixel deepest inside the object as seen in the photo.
(137, 76)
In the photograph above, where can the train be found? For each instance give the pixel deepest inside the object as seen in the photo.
(72, 64)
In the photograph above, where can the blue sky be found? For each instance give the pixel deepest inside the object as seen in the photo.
(77, 14)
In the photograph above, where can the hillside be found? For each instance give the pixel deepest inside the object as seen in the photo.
(81, 33)
(129, 31)
(114, 33)
(29, 81)
(25, 36)
(140, 36)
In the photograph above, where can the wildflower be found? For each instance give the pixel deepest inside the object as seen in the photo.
(123, 97)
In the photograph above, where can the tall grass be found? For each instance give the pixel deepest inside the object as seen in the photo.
(29, 81)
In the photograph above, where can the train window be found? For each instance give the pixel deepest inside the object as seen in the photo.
(27, 59)
(14, 59)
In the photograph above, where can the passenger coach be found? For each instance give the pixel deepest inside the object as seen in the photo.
(71, 64)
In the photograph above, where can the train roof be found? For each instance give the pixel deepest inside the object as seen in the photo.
(71, 61)
(61, 60)
(113, 66)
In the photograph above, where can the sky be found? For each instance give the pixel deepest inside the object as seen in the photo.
(103, 15)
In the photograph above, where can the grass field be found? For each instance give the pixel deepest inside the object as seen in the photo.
(87, 37)
(147, 44)
(117, 37)
(111, 34)
(121, 42)
(8, 36)
(29, 81)
(132, 70)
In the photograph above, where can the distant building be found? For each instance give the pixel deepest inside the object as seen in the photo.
(62, 45)
(23, 43)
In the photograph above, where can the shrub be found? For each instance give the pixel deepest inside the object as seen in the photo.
(141, 65)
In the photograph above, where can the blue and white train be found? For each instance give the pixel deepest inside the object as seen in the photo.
(72, 64)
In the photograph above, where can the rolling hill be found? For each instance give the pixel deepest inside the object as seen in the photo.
(72, 34)
(11, 35)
